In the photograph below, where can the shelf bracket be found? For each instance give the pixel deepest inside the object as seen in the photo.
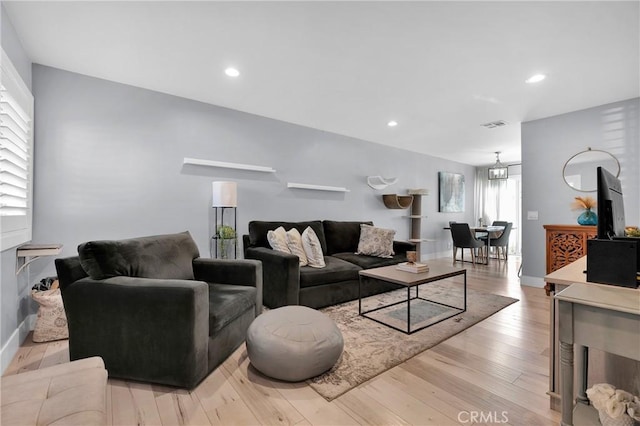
(22, 262)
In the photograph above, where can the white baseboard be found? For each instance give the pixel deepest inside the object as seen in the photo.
(532, 281)
(10, 349)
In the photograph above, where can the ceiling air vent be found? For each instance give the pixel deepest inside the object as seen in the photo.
(494, 124)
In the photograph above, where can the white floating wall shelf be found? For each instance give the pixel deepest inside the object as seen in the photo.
(27, 253)
(226, 165)
(316, 187)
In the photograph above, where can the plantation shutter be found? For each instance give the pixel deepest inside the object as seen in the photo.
(16, 157)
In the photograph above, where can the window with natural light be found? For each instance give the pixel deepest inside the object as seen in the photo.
(16, 157)
(500, 200)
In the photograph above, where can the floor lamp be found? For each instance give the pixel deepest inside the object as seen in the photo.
(224, 203)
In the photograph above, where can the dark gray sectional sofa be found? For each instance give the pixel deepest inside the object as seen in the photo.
(285, 282)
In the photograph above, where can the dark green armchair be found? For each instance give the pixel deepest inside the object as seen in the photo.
(154, 310)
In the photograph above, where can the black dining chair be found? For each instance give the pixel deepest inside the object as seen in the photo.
(501, 241)
(463, 238)
(451, 222)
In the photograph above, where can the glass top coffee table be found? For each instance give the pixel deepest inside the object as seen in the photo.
(412, 280)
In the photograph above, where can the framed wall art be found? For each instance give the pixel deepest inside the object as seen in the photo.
(451, 192)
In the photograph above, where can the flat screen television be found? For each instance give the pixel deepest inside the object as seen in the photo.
(611, 221)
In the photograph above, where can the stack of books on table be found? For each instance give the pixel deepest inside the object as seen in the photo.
(412, 267)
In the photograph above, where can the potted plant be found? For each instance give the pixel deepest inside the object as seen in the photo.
(226, 237)
(632, 231)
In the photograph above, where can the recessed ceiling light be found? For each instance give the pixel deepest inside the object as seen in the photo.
(392, 123)
(536, 78)
(232, 72)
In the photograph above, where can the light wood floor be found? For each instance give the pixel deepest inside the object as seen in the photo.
(495, 372)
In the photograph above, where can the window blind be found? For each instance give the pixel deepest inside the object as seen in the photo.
(16, 157)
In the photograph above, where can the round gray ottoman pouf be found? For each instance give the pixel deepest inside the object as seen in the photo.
(293, 343)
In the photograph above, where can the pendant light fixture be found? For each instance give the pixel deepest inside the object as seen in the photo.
(498, 170)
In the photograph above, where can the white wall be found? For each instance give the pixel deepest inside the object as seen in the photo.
(547, 144)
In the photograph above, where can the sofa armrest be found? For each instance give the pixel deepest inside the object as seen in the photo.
(69, 270)
(281, 276)
(144, 329)
(245, 272)
(402, 247)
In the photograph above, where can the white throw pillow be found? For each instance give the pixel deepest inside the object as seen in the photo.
(312, 248)
(376, 241)
(278, 240)
(294, 242)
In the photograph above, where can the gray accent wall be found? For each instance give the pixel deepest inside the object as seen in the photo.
(109, 165)
(547, 144)
(15, 304)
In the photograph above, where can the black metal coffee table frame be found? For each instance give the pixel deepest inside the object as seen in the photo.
(409, 280)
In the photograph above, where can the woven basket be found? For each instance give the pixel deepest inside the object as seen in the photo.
(607, 420)
(51, 323)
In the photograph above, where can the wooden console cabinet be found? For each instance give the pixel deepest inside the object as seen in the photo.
(594, 317)
(605, 367)
(566, 244)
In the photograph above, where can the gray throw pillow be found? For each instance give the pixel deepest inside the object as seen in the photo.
(376, 241)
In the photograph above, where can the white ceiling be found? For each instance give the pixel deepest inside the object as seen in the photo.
(440, 69)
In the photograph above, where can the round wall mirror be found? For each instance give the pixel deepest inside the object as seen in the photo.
(579, 172)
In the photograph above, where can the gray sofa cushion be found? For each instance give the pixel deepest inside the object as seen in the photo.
(258, 231)
(336, 270)
(144, 257)
(368, 262)
(342, 236)
(228, 302)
